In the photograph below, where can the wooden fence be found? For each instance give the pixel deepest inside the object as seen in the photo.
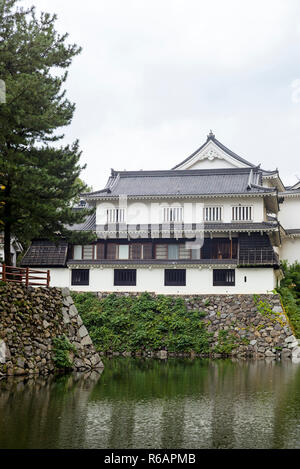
(25, 275)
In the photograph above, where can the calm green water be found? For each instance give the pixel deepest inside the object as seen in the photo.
(154, 404)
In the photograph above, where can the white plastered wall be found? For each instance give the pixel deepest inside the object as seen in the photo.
(290, 250)
(289, 214)
(198, 281)
(150, 212)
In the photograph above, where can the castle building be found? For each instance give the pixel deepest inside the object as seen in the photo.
(213, 224)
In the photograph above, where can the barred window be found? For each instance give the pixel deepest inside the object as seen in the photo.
(125, 277)
(80, 277)
(242, 213)
(175, 277)
(116, 215)
(212, 213)
(223, 277)
(172, 214)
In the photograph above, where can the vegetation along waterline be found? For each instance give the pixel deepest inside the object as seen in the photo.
(290, 294)
(161, 325)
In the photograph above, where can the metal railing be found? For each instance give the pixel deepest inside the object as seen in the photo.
(29, 277)
(258, 256)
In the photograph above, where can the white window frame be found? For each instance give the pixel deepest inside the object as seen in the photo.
(172, 214)
(77, 252)
(242, 212)
(115, 215)
(212, 211)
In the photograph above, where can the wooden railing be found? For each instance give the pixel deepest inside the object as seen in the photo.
(258, 257)
(30, 277)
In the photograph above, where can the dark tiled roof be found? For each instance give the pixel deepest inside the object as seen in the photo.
(293, 232)
(294, 187)
(88, 225)
(207, 227)
(185, 182)
(153, 262)
(46, 253)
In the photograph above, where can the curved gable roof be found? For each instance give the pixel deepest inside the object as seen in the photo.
(211, 138)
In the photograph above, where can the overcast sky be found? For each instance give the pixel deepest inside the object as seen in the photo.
(155, 76)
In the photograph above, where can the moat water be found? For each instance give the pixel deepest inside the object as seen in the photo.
(135, 403)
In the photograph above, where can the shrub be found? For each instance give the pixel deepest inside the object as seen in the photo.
(62, 348)
(290, 294)
(121, 323)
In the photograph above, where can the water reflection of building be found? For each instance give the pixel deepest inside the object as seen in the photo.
(45, 412)
(177, 404)
(239, 406)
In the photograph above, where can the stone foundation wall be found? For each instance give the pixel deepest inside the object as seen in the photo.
(257, 324)
(30, 318)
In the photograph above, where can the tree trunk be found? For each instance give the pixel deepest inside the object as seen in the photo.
(7, 226)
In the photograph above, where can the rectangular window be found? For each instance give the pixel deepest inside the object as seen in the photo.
(136, 251)
(212, 214)
(88, 252)
(116, 215)
(172, 214)
(147, 251)
(175, 277)
(125, 277)
(77, 252)
(80, 277)
(183, 252)
(223, 277)
(123, 251)
(173, 250)
(161, 251)
(111, 251)
(242, 213)
(100, 251)
(139, 251)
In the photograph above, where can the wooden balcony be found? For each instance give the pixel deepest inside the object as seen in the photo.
(258, 256)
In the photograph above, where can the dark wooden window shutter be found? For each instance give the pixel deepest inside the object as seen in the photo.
(175, 277)
(147, 251)
(223, 277)
(80, 277)
(100, 250)
(112, 251)
(135, 251)
(125, 277)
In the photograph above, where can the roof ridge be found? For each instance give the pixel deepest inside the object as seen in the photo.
(185, 172)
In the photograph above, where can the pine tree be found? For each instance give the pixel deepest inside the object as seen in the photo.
(40, 177)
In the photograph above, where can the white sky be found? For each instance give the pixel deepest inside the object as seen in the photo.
(155, 76)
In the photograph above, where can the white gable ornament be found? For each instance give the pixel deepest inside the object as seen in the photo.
(211, 154)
